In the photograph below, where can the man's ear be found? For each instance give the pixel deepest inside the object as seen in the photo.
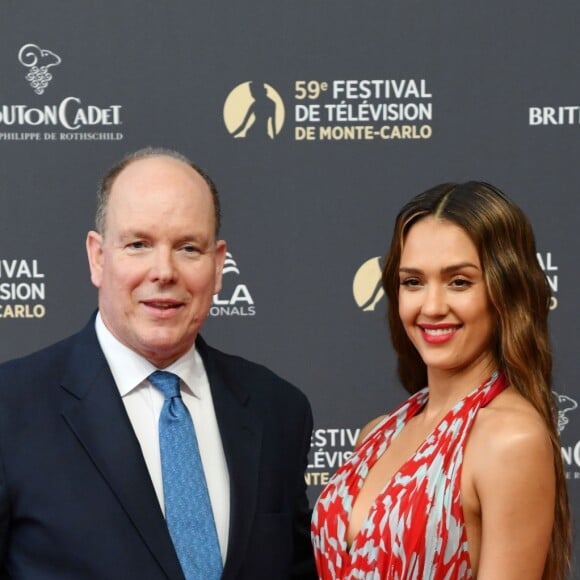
(220, 256)
(95, 256)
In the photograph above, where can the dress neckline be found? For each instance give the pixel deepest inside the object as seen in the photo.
(496, 383)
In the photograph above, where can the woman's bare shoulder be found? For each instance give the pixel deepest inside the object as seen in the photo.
(509, 484)
(368, 429)
(510, 412)
(509, 429)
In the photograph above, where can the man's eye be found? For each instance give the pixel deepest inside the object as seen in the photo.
(189, 249)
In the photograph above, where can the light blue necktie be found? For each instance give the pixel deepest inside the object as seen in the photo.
(187, 505)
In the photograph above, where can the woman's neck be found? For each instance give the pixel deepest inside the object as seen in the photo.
(448, 387)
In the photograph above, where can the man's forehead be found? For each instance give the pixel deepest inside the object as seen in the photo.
(165, 175)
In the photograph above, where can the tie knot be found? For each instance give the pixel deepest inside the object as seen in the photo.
(166, 382)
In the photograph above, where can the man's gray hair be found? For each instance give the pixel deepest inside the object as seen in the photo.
(106, 184)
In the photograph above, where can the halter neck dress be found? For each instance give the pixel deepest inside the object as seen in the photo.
(415, 528)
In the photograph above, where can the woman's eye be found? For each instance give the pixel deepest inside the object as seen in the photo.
(410, 282)
(461, 283)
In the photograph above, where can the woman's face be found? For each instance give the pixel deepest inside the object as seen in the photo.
(443, 302)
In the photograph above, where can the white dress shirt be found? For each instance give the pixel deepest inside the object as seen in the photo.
(144, 402)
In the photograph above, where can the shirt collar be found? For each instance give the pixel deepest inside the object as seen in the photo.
(130, 369)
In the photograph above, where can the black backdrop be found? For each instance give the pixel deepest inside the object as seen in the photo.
(367, 103)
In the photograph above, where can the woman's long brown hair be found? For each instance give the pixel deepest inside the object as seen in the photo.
(519, 294)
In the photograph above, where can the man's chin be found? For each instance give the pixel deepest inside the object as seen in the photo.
(164, 350)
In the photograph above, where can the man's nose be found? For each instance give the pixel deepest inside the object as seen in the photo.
(163, 266)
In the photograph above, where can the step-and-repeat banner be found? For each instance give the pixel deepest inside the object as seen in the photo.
(317, 120)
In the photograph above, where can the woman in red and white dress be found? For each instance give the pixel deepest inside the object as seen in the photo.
(465, 479)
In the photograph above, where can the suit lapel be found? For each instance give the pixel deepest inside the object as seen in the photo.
(241, 434)
(96, 415)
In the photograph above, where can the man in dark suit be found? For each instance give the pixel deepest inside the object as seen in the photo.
(82, 474)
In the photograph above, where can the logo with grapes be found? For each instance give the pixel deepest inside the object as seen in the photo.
(38, 60)
(565, 405)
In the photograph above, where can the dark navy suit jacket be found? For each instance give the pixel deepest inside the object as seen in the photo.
(76, 499)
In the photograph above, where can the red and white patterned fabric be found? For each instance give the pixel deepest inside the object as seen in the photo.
(415, 528)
